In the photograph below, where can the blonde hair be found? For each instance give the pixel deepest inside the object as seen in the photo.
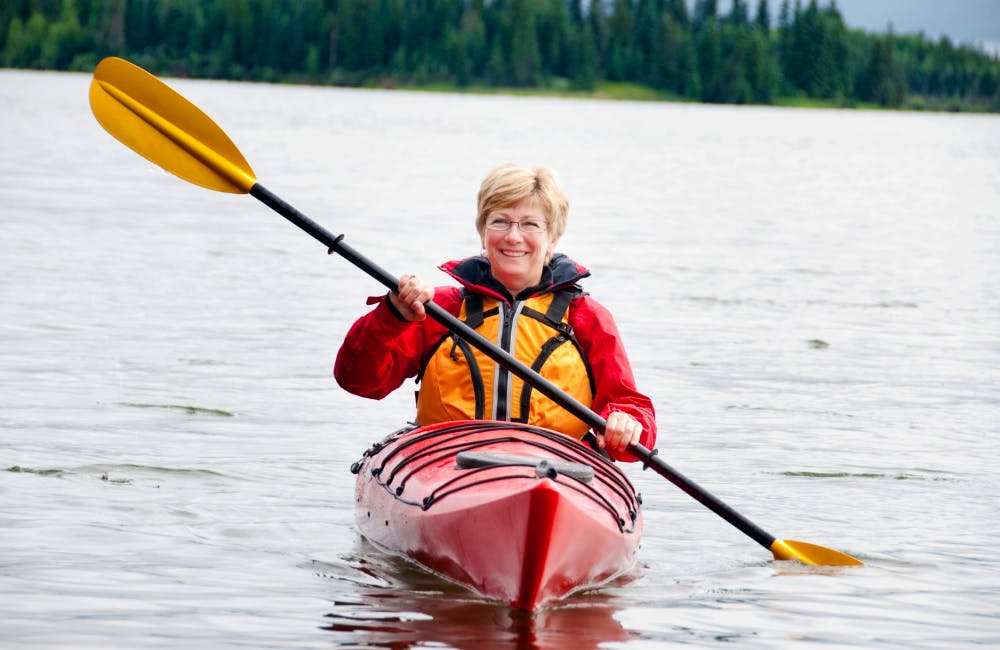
(509, 184)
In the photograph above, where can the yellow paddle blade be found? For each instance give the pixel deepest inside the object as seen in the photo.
(160, 125)
(787, 549)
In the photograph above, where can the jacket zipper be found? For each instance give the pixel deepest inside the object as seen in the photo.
(502, 385)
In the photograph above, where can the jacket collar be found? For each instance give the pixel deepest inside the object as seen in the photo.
(474, 273)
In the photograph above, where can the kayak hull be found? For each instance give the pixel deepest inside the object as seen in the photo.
(518, 514)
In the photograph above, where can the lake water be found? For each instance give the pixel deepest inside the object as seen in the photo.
(811, 297)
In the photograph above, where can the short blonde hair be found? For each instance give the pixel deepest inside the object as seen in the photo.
(509, 184)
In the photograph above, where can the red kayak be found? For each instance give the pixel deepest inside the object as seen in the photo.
(517, 513)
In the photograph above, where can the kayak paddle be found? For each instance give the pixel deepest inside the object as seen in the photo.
(165, 128)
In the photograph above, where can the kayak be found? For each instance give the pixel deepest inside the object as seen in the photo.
(516, 513)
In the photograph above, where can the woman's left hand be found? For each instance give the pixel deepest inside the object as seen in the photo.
(621, 431)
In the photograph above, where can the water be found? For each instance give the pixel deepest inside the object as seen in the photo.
(810, 297)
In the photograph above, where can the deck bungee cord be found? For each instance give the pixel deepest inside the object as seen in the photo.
(441, 445)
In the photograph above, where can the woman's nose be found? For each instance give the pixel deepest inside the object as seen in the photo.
(514, 232)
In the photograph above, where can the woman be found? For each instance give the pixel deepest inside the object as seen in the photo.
(518, 293)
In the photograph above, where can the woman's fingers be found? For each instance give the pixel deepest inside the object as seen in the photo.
(412, 293)
(621, 431)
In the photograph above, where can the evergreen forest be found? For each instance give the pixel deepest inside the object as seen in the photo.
(671, 49)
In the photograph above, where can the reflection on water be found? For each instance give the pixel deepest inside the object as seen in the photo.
(398, 605)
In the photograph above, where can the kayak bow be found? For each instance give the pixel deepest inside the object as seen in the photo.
(517, 513)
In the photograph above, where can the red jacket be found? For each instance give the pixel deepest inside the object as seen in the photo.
(381, 350)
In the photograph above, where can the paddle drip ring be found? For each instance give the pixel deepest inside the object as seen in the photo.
(645, 464)
(333, 246)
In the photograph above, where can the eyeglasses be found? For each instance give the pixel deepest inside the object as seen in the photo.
(527, 227)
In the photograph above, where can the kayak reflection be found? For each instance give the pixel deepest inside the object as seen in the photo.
(403, 606)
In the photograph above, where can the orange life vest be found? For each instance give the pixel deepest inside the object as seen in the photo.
(461, 383)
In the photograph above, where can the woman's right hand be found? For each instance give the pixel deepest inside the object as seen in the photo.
(410, 296)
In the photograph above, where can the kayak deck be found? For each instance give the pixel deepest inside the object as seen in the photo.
(517, 513)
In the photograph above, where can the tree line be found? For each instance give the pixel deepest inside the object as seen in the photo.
(699, 53)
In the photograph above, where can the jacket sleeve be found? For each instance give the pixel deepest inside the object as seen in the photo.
(614, 383)
(381, 350)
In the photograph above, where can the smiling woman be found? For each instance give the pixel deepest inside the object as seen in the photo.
(522, 215)
(518, 246)
(521, 294)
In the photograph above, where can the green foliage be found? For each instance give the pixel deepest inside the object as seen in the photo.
(744, 56)
(882, 82)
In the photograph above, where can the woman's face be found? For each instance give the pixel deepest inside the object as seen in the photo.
(517, 257)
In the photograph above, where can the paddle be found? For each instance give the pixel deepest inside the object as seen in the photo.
(162, 126)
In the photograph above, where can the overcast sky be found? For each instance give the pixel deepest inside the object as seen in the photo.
(963, 21)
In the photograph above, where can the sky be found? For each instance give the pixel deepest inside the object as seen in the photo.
(963, 21)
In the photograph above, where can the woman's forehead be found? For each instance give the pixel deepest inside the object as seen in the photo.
(529, 206)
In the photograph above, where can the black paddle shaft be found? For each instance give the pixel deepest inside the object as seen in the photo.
(336, 244)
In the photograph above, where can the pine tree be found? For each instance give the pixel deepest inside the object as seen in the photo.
(526, 61)
(621, 45)
(762, 19)
(882, 82)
